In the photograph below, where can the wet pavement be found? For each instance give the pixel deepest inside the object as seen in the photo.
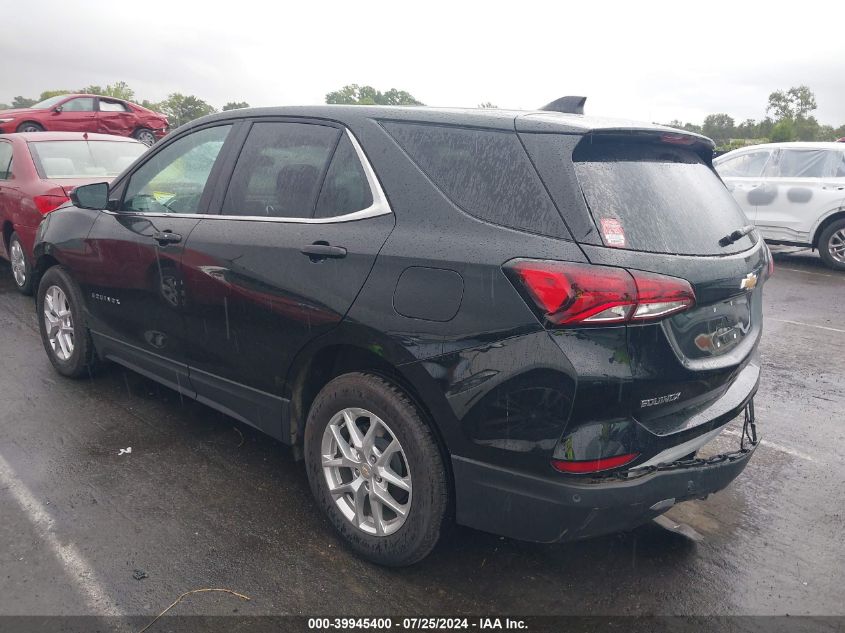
(205, 502)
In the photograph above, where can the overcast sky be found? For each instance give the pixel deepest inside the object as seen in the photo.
(653, 61)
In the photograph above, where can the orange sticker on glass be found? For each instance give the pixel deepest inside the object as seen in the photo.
(613, 233)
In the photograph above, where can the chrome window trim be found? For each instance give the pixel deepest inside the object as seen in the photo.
(380, 206)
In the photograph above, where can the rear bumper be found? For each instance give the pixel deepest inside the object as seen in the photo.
(549, 510)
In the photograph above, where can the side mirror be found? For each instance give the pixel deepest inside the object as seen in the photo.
(58, 109)
(95, 196)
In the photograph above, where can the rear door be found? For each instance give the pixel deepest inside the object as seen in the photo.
(114, 117)
(659, 207)
(131, 273)
(301, 222)
(800, 190)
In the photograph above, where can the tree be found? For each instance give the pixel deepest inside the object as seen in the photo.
(719, 127)
(119, 90)
(487, 106)
(181, 109)
(797, 102)
(22, 102)
(52, 93)
(235, 105)
(92, 90)
(353, 94)
(783, 131)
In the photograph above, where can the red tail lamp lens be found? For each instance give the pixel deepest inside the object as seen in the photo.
(45, 204)
(593, 465)
(568, 293)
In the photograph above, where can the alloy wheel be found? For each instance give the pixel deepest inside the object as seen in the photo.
(367, 471)
(18, 264)
(58, 320)
(146, 137)
(836, 246)
(30, 128)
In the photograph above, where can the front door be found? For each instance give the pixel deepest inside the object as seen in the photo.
(133, 276)
(742, 175)
(300, 226)
(76, 115)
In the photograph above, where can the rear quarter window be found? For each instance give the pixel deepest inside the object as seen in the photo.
(486, 173)
(657, 198)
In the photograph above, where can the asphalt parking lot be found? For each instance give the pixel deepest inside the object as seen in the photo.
(205, 502)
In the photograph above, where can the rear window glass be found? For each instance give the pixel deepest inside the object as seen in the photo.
(657, 198)
(484, 172)
(83, 159)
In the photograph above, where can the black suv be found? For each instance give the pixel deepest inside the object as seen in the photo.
(525, 322)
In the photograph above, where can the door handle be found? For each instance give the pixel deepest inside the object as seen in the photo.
(167, 237)
(323, 250)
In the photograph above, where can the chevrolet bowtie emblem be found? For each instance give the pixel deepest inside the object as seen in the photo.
(748, 282)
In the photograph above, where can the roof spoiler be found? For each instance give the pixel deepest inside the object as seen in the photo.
(569, 105)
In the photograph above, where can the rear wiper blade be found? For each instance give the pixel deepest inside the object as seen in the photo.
(736, 235)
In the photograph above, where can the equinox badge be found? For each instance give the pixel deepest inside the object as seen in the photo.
(748, 282)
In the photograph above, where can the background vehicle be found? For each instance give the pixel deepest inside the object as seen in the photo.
(87, 113)
(793, 192)
(441, 326)
(38, 172)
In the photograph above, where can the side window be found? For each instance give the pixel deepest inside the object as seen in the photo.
(83, 104)
(279, 170)
(345, 189)
(111, 106)
(484, 172)
(173, 180)
(839, 165)
(801, 163)
(748, 165)
(5, 161)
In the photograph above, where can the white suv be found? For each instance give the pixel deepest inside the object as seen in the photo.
(793, 192)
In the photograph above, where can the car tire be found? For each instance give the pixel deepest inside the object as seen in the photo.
(145, 135)
(373, 487)
(61, 322)
(832, 245)
(21, 266)
(30, 126)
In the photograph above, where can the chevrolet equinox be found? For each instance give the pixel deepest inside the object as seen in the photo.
(524, 322)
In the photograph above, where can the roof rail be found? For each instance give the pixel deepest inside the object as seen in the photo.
(570, 105)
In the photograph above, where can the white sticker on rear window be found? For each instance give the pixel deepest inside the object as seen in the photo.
(613, 233)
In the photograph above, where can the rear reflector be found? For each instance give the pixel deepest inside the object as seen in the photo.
(593, 465)
(567, 293)
(45, 204)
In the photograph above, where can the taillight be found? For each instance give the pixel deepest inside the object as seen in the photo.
(568, 294)
(45, 204)
(593, 465)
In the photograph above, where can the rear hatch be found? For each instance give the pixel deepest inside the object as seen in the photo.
(650, 201)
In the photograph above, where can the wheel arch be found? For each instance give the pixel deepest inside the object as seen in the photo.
(321, 364)
(38, 123)
(839, 214)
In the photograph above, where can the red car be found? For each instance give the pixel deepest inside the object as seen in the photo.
(87, 113)
(37, 173)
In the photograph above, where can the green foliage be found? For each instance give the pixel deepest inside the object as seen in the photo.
(353, 94)
(235, 105)
(52, 93)
(487, 106)
(719, 127)
(180, 109)
(118, 90)
(795, 103)
(22, 102)
(783, 131)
